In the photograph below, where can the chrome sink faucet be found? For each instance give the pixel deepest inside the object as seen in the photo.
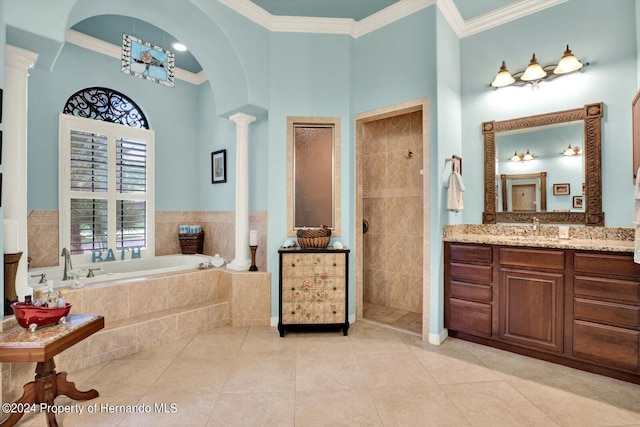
(536, 226)
(67, 263)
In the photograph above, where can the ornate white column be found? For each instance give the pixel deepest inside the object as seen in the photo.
(14, 191)
(242, 261)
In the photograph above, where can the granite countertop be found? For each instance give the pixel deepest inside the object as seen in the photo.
(609, 239)
(44, 335)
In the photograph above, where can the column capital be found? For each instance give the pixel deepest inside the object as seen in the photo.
(242, 118)
(19, 58)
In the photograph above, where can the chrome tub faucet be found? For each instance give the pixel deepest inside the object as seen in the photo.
(67, 263)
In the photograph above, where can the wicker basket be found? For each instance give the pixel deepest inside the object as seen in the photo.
(317, 238)
(191, 243)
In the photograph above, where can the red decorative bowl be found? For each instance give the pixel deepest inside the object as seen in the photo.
(30, 315)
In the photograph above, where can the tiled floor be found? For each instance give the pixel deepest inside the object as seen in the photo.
(373, 376)
(395, 317)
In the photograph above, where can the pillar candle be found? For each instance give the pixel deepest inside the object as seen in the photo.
(10, 240)
(253, 238)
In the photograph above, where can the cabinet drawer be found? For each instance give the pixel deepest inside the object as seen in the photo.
(608, 312)
(621, 265)
(532, 258)
(623, 290)
(471, 253)
(471, 317)
(470, 272)
(470, 291)
(608, 345)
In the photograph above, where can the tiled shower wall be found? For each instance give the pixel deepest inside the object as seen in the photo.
(219, 234)
(392, 204)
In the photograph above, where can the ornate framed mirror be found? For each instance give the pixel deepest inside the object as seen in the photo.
(588, 118)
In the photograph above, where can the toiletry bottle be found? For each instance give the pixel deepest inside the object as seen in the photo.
(27, 300)
(61, 301)
(37, 297)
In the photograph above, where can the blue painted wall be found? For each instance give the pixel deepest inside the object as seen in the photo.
(310, 76)
(599, 32)
(172, 113)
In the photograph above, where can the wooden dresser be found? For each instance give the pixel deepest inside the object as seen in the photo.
(569, 306)
(314, 289)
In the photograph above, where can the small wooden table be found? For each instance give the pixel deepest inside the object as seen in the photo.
(20, 345)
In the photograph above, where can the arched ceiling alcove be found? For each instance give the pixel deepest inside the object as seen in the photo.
(182, 20)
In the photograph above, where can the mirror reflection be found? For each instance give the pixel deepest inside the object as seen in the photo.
(572, 162)
(525, 192)
(537, 172)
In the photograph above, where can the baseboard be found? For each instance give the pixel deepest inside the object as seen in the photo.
(437, 339)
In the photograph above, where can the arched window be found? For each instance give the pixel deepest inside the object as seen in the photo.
(107, 197)
(108, 105)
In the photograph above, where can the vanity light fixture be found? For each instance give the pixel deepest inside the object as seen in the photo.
(572, 151)
(535, 73)
(522, 157)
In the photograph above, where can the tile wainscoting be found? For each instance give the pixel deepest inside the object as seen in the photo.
(218, 226)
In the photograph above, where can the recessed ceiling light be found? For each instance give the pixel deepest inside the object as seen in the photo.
(179, 46)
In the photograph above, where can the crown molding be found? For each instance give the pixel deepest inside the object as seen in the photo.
(386, 16)
(506, 14)
(390, 14)
(108, 49)
(452, 15)
(251, 11)
(303, 24)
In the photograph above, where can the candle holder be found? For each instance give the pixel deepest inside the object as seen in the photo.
(253, 258)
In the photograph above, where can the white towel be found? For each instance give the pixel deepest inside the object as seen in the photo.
(637, 192)
(636, 246)
(455, 202)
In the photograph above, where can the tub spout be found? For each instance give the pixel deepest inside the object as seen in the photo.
(67, 263)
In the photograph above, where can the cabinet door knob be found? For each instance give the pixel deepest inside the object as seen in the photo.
(335, 312)
(334, 264)
(335, 289)
(293, 289)
(293, 312)
(293, 264)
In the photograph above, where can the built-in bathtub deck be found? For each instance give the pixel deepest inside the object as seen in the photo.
(145, 312)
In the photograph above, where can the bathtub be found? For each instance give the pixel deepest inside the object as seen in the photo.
(112, 270)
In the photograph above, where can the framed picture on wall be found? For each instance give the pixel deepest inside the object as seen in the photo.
(1, 96)
(219, 167)
(577, 202)
(0, 147)
(561, 189)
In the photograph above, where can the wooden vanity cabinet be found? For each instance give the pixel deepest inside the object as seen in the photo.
(578, 308)
(469, 294)
(314, 289)
(531, 288)
(606, 308)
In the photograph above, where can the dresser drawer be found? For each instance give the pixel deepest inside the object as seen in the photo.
(471, 317)
(471, 253)
(532, 258)
(471, 272)
(471, 291)
(606, 345)
(623, 290)
(607, 312)
(620, 265)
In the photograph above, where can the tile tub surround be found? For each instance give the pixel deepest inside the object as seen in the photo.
(147, 312)
(219, 228)
(609, 239)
